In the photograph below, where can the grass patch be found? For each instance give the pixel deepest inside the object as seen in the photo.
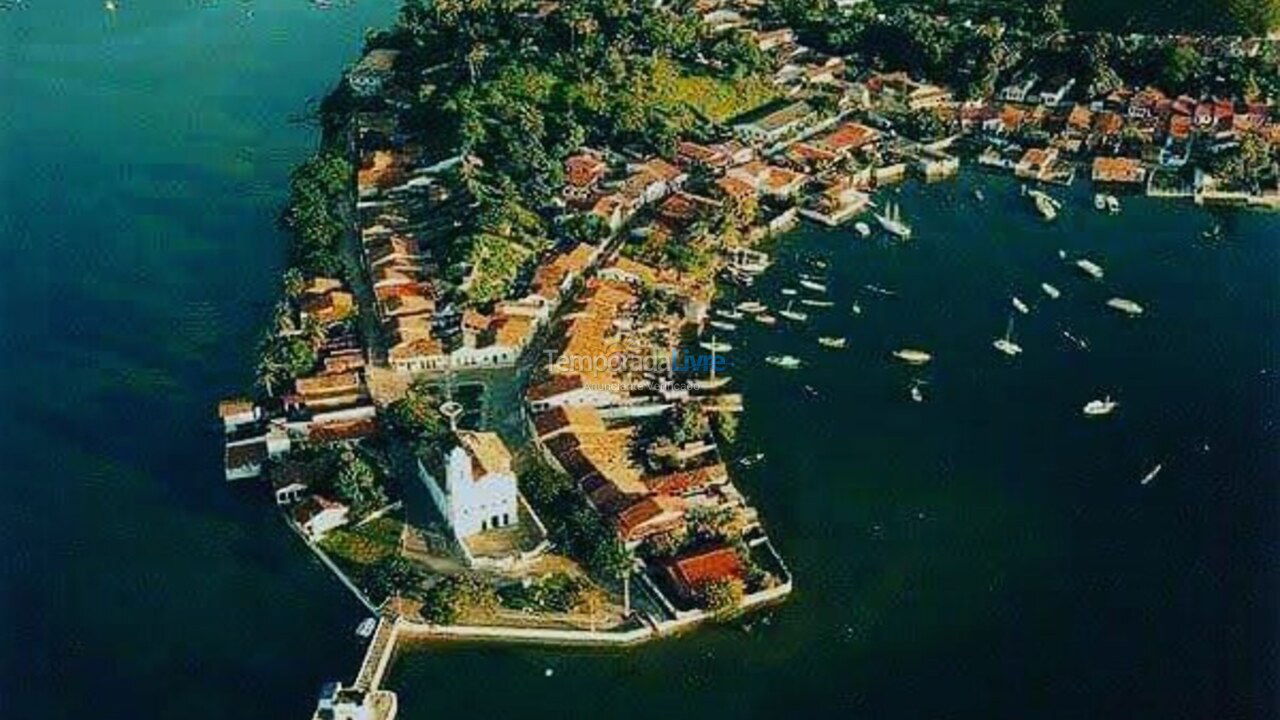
(365, 545)
(715, 98)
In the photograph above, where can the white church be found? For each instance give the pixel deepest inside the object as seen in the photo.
(479, 489)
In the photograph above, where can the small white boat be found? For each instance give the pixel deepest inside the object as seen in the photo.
(816, 303)
(787, 362)
(366, 627)
(917, 395)
(766, 319)
(814, 286)
(729, 314)
(1100, 407)
(1051, 291)
(722, 325)
(796, 315)
(1099, 201)
(831, 342)
(863, 229)
(978, 194)
(1113, 204)
(1019, 305)
(876, 289)
(715, 346)
(1091, 268)
(1126, 306)
(912, 356)
(857, 309)
(788, 291)
(1062, 254)
(1045, 205)
(752, 306)
(1006, 344)
(750, 460)
(1152, 475)
(1079, 342)
(820, 263)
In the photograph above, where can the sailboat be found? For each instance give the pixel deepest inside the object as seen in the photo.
(712, 382)
(715, 346)
(1100, 407)
(796, 315)
(1005, 344)
(891, 221)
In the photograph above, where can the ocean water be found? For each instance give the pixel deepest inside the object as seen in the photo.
(987, 553)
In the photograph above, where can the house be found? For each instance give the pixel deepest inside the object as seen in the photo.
(370, 75)
(1019, 89)
(690, 572)
(652, 515)
(478, 491)
(768, 179)
(317, 515)
(849, 137)
(238, 412)
(417, 354)
(773, 122)
(582, 173)
(1118, 170)
(570, 390)
(1080, 119)
(1056, 91)
(736, 193)
(1036, 164)
(244, 459)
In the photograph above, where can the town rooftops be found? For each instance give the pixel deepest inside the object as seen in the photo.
(327, 384)
(487, 451)
(572, 419)
(654, 514)
(234, 406)
(1118, 169)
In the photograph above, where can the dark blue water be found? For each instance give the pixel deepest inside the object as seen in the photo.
(143, 157)
(988, 553)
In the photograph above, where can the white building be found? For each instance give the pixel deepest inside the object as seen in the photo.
(479, 491)
(317, 515)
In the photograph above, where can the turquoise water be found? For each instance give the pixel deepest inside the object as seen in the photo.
(143, 157)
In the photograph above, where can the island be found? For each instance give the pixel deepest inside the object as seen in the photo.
(496, 399)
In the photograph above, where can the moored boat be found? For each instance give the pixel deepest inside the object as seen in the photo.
(788, 291)
(891, 221)
(766, 319)
(1091, 268)
(1113, 204)
(912, 356)
(722, 325)
(1045, 205)
(863, 229)
(1126, 306)
(715, 346)
(1100, 407)
(787, 362)
(831, 342)
(814, 286)
(752, 306)
(1006, 344)
(796, 315)
(1051, 291)
(1099, 201)
(1019, 305)
(816, 303)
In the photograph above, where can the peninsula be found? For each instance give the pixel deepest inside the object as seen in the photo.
(496, 398)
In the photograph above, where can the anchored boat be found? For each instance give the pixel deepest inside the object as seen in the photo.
(787, 362)
(1006, 344)
(891, 221)
(1100, 407)
(1091, 268)
(1128, 307)
(796, 315)
(1050, 290)
(831, 342)
(912, 356)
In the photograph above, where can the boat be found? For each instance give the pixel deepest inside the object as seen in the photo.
(831, 342)
(1062, 254)
(711, 382)
(857, 309)
(863, 229)
(796, 315)
(814, 286)
(1099, 201)
(1006, 344)
(750, 460)
(729, 314)
(1079, 342)
(820, 263)
(879, 290)
(1100, 407)
(1045, 205)
(1051, 291)
(722, 325)
(1152, 475)
(787, 362)
(1113, 204)
(110, 5)
(788, 291)
(752, 307)
(1213, 233)
(917, 395)
(816, 303)
(715, 346)
(1090, 267)
(366, 627)
(978, 194)
(1020, 306)
(912, 357)
(891, 221)
(766, 319)
(1128, 307)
